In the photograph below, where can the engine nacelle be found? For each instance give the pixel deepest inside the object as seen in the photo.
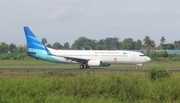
(139, 64)
(94, 63)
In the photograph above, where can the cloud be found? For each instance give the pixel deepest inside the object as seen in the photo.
(66, 13)
(59, 13)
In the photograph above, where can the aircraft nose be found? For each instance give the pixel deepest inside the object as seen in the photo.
(148, 59)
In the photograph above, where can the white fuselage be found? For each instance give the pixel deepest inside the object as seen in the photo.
(106, 56)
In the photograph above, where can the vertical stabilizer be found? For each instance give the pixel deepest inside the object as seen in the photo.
(32, 41)
(35, 48)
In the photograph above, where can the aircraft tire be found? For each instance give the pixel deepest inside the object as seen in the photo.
(87, 67)
(81, 66)
(137, 67)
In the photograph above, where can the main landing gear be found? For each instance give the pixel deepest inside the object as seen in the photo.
(137, 67)
(82, 66)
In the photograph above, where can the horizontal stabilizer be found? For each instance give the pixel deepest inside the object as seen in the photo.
(31, 52)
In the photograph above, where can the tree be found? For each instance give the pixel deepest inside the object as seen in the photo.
(177, 44)
(66, 45)
(148, 42)
(152, 43)
(111, 43)
(3, 47)
(44, 41)
(85, 43)
(57, 45)
(128, 44)
(21, 48)
(162, 41)
(100, 44)
(12, 47)
(93, 44)
(138, 44)
(168, 46)
(49, 45)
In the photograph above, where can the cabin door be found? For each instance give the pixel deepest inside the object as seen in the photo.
(133, 57)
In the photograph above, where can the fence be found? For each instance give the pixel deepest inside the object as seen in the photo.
(27, 72)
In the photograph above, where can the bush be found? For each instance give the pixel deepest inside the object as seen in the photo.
(58, 73)
(156, 73)
(175, 58)
(51, 72)
(15, 56)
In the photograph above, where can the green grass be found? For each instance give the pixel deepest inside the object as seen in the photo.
(33, 64)
(101, 87)
(85, 86)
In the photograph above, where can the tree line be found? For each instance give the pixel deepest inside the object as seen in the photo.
(19, 52)
(102, 44)
(113, 44)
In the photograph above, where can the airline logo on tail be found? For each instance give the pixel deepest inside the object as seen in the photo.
(33, 42)
(35, 47)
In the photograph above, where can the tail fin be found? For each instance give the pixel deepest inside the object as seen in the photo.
(33, 42)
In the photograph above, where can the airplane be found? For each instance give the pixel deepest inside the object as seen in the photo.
(86, 58)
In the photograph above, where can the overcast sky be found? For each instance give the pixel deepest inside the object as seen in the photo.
(67, 20)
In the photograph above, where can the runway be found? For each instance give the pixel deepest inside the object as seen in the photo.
(30, 72)
(97, 69)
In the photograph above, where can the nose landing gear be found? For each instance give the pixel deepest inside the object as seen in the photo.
(137, 67)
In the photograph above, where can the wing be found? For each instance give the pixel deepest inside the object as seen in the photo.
(79, 60)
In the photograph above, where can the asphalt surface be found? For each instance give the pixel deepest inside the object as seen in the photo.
(97, 69)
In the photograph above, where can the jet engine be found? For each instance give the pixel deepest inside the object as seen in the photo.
(94, 63)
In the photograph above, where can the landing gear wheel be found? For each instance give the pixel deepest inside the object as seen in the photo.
(137, 67)
(87, 67)
(81, 66)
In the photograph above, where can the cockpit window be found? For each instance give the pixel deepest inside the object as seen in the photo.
(141, 55)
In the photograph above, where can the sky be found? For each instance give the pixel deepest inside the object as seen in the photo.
(67, 20)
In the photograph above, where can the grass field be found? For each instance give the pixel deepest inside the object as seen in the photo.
(101, 87)
(86, 86)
